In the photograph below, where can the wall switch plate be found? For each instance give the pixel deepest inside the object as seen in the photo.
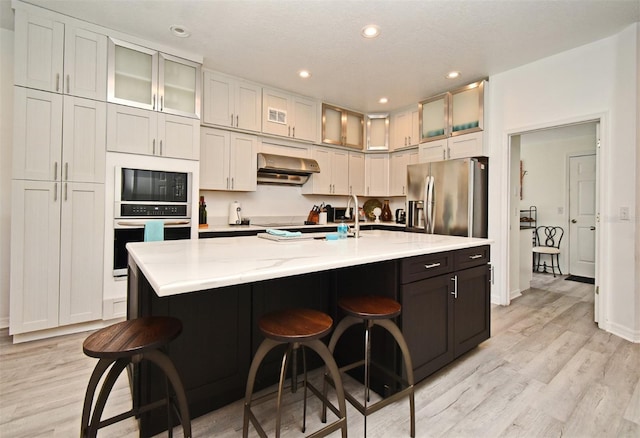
(624, 213)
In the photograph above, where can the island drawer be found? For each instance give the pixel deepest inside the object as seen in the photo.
(470, 257)
(425, 266)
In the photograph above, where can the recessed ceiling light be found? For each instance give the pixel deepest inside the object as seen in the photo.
(304, 74)
(179, 31)
(370, 31)
(383, 100)
(453, 75)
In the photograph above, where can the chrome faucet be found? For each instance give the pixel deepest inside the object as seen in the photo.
(356, 228)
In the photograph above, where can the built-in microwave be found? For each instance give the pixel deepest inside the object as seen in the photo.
(156, 193)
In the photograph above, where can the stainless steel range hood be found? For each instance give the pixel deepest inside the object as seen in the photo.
(284, 170)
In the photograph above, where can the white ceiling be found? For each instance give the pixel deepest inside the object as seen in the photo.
(268, 41)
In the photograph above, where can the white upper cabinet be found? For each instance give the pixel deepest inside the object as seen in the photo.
(333, 178)
(231, 102)
(288, 115)
(377, 175)
(405, 128)
(61, 58)
(51, 147)
(356, 173)
(398, 163)
(142, 132)
(147, 79)
(228, 160)
(378, 131)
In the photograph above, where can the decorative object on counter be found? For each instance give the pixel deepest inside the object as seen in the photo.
(235, 218)
(377, 212)
(369, 206)
(202, 212)
(401, 216)
(386, 215)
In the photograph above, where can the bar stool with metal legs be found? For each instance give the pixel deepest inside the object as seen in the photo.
(374, 310)
(297, 328)
(125, 343)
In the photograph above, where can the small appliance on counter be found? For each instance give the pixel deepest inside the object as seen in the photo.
(235, 218)
(401, 216)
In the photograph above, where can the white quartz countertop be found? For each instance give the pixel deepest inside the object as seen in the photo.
(181, 266)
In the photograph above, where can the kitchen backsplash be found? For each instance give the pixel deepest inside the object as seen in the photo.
(276, 201)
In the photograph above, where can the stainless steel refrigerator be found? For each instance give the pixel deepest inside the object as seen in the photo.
(448, 197)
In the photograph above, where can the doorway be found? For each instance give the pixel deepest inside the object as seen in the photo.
(541, 165)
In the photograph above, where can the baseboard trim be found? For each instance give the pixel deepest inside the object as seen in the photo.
(61, 331)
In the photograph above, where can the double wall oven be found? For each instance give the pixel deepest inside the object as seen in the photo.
(142, 195)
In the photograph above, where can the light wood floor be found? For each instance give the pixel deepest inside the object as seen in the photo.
(547, 371)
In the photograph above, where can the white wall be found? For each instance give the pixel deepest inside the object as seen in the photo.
(6, 140)
(598, 80)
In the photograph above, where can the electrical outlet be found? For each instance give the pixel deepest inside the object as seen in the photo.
(624, 213)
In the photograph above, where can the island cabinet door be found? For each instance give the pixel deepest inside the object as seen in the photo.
(471, 308)
(427, 323)
(212, 353)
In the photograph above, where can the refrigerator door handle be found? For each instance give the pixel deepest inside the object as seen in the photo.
(430, 207)
(425, 203)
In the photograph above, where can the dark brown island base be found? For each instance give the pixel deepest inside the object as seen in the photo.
(219, 288)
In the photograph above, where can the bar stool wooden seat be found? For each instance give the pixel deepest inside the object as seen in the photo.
(297, 328)
(125, 343)
(374, 310)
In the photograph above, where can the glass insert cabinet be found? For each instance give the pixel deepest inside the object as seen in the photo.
(453, 113)
(151, 80)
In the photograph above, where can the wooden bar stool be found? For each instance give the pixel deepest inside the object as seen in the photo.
(125, 343)
(374, 310)
(297, 328)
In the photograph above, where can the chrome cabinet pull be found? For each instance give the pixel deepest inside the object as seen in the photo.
(232, 183)
(228, 182)
(153, 103)
(160, 147)
(289, 132)
(475, 256)
(237, 122)
(55, 192)
(66, 170)
(231, 120)
(55, 170)
(455, 286)
(66, 185)
(432, 265)
(57, 82)
(161, 103)
(154, 147)
(68, 87)
(444, 156)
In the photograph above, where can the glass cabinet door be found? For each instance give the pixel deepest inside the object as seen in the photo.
(467, 109)
(378, 131)
(331, 125)
(434, 118)
(132, 75)
(353, 126)
(179, 86)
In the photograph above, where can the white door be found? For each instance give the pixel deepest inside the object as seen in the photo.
(243, 162)
(582, 213)
(214, 159)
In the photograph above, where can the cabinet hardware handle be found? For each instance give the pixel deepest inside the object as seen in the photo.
(475, 256)
(66, 185)
(153, 105)
(231, 120)
(55, 192)
(66, 170)
(491, 271)
(57, 82)
(227, 182)
(592, 228)
(160, 147)
(289, 132)
(455, 286)
(154, 147)
(68, 87)
(409, 139)
(448, 152)
(55, 170)
(161, 103)
(573, 221)
(432, 265)
(232, 183)
(444, 156)
(237, 123)
(294, 132)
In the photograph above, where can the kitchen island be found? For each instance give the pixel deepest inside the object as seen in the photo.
(220, 287)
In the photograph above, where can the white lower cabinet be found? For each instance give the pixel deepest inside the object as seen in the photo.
(228, 160)
(377, 175)
(57, 251)
(143, 132)
(398, 163)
